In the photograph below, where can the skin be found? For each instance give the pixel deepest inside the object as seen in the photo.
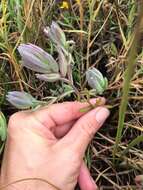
(50, 144)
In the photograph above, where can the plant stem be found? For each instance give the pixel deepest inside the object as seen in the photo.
(72, 85)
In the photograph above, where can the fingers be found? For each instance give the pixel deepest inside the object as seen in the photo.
(59, 114)
(84, 129)
(62, 130)
(85, 180)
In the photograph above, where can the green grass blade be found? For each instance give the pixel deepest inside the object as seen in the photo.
(131, 60)
(136, 141)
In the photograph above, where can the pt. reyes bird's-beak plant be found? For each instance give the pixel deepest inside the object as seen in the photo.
(49, 69)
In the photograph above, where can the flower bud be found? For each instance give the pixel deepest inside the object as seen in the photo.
(22, 100)
(36, 59)
(63, 61)
(56, 34)
(52, 77)
(3, 127)
(96, 80)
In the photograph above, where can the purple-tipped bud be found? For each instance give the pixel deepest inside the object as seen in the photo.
(56, 34)
(36, 59)
(52, 77)
(21, 100)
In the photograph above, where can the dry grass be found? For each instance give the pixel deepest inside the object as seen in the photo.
(102, 31)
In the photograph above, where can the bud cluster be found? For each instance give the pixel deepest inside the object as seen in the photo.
(49, 69)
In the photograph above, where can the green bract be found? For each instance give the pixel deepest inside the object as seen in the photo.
(96, 80)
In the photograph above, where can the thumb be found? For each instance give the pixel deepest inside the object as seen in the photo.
(84, 129)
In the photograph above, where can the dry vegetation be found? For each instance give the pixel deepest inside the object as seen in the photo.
(103, 32)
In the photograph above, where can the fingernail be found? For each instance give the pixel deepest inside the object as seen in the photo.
(102, 115)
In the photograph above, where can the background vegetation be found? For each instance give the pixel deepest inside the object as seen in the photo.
(103, 31)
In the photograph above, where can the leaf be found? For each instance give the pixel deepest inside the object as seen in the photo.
(3, 127)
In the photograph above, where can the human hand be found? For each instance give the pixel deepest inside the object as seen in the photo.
(49, 144)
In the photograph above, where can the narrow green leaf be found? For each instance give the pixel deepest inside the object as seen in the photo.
(131, 60)
(3, 127)
(135, 142)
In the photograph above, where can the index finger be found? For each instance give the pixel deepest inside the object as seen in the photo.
(61, 113)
